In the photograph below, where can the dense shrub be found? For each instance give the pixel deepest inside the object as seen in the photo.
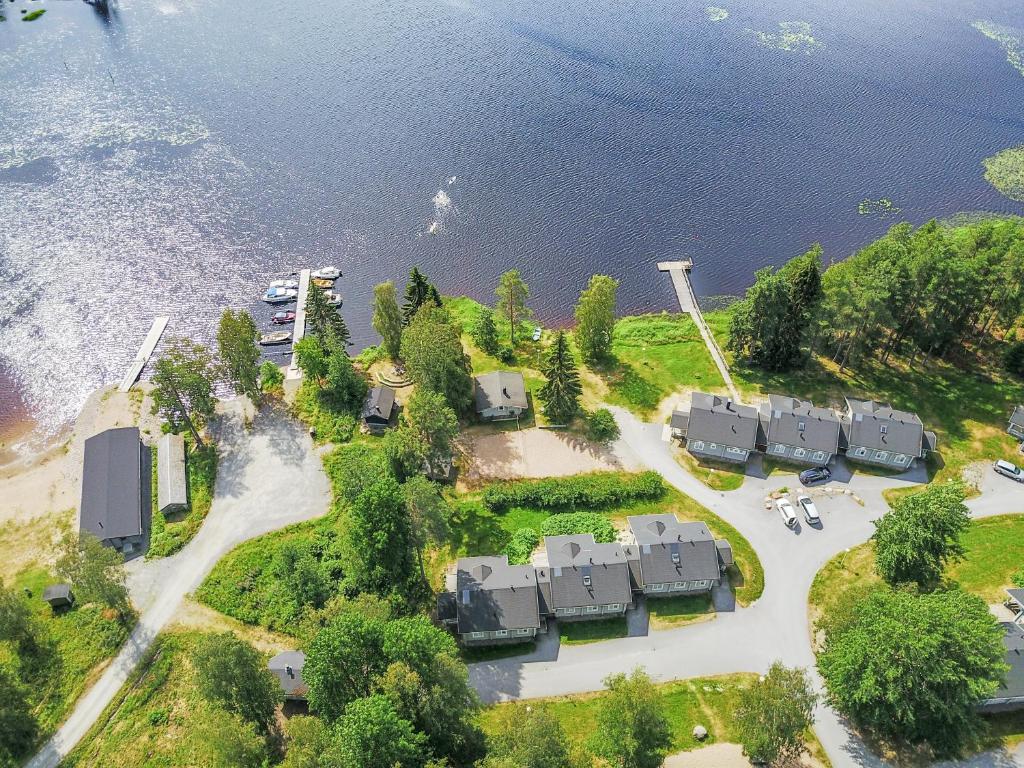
(330, 424)
(596, 489)
(601, 426)
(521, 546)
(580, 522)
(1013, 358)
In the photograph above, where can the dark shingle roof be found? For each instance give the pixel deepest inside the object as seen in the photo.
(1017, 417)
(1013, 642)
(724, 552)
(446, 607)
(378, 404)
(659, 537)
(903, 432)
(111, 484)
(57, 592)
(680, 420)
(491, 594)
(720, 420)
(573, 560)
(287, 668)
(505, 388)
(798, 423)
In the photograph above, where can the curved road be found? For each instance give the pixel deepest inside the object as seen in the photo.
(268, 478)
(775, 627)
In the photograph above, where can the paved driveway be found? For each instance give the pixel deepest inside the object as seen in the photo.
(268, 478)
(775, 627)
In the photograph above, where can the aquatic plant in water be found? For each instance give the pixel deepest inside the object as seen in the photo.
(792, 36)
(33, 15)
(1005, 171)
(1010, 38)
(716, 14)
(883, 206)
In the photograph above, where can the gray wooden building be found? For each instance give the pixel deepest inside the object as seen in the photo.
(877, 433)
(584, 579)
(115, 472)
(493, 602)
(671, 558)
(500, 395)
(798, 431)
(718, 428)
(1016, 425)
(377, 408)
(171, 483)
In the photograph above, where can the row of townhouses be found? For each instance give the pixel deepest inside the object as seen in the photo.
(795, 430)
(489, 601)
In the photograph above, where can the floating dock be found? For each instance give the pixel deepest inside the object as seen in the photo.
(680, 274)
(145, 352)
(299, 329)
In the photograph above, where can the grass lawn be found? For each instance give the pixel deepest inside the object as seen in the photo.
(667, 612)
(583, 632)
(471, 654)
(717, 475)
(476, 530)
(169, 534)
(83, 640)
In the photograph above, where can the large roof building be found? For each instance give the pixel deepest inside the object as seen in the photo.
(112, 488)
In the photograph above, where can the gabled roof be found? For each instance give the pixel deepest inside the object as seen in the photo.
(879, 426)
(57, 592)
(171, 489)
(797, 423)
(1017, 417)
(501, 388)
(680, 420)
(1013, 643)
(673, 551)
(378, 404)
(491, 595)
(287, 668)
(720, 420)
(575, 560)
(111, 484)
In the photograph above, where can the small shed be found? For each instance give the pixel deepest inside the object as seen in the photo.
(59, 595)
(171, 487)
(287, 668)
(377, 407)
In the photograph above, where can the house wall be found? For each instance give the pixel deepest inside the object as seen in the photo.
(797, 454)
(881, 458)
(717, 451)
(587, 612)
(673, 588)
(497, 638)
(375, 427)
(501, 412)
(1016, 430)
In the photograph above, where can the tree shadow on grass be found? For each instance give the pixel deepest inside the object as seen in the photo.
(627, 386)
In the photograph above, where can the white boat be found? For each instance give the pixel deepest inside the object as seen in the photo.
(326, 273)
(333, 299)
(277, 337)
(284, 283)
(277, 295)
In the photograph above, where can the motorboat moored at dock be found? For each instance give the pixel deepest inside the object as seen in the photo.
(326, 273)
(278, 295)
(277, 337)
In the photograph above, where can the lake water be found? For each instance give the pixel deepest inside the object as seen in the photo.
(171, 156)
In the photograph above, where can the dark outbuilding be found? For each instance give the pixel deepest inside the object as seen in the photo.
(287, 668)
(377, 408)
(59, 595)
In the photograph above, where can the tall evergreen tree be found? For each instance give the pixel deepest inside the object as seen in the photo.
(485, 334)
(432, 351)
(239, 354)
(322, 319)
(512, 293)
(387, 318)
(380, 540)
(561, 392)
(595, 318)
(183, 386)
(418, 292)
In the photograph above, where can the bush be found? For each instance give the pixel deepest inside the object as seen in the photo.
(1013, 358)
(601, 426)
(507, 355)
(271, 379)
(580, 522)
(330, 424)
(596, 489)
(521, 546)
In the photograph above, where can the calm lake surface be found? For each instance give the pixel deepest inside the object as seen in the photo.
(172, 156)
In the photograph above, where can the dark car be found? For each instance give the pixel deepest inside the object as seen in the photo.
(283, 318)
(815, 475)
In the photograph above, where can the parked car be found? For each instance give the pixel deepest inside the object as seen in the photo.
(786, 510)
(283, 318)
(1009, 470)
(815, 475)
(810, 511)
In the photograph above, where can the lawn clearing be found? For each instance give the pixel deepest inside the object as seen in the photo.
(583, 632)
(668, 612)
(717, 475)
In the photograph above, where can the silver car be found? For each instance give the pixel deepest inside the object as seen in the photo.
(1009, 470)
(810, 511)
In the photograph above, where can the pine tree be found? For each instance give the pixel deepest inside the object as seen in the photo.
(387, 318)
(561, 391)
(512, 293)
(418, 292)
(322, 319)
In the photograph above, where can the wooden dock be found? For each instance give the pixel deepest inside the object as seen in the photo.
(679, 271)
(299, 329)
(145, 352)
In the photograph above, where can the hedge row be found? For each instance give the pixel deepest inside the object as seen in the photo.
(597, 489)
(521, 546)
(580, 522)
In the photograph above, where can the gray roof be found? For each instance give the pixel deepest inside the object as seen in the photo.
(724, 552)
(720, 420)
(446, 607)
(1013, 642)
(501, 388)
(545, 605)
(1017, 417)
(881, 427)
(171, 489)
(660, 537)
(1017, 595)
(680, 420)
(491, 594)
(575, 560)
(111, 484)
(57, 592)
(378, 404)
(800, 424)
(287, 668)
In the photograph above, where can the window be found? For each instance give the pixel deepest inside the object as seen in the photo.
(778, 448)
(680, 585)
(712, 446)
(701, 584)
(613, 607)
(697, 445)
(675, 558)
(657, 587)
(861, 452)
(818, 456)
(570, 611)
(558, 571)
(736, 451)
(592, 609)
(881, 455)
(586, 581)
(477, 635)
(884, 429)
(799, 452)
(501, 633)
(525, 631)
(801, 426)
(900, 458)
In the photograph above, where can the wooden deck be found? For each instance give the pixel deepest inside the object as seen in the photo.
(299, 329)
(145, 352)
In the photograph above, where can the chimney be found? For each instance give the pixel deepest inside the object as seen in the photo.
(289, 671)
(504, 391)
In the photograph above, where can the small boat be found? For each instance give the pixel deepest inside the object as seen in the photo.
(277, 337)
(283, 317)
(323, 282)
(333, 299)
(284, 283)
(326, 273)
(280, 295)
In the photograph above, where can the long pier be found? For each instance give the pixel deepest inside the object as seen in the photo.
(145, 352)
(299, 329)
(679, 271)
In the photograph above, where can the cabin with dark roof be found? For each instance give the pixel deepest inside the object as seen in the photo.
(586, 580)
(171, 484)
(495, 602)
(377, 409)
(287, 668)
(717, 428)
(799, 431)
(877, 433)
(115, 473)
(1010, 695)
(59, 596)
(674, 558)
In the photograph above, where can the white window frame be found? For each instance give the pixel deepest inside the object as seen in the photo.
(881, 456)
(477, 635)
(698, 445)
(592, 609)
(712, 446)
(657, 587)
(901, 459)
(861, 452)
(569, 611)
(818, 456)
(524, 631)
(613, 607)
(799, 452)
(778, 448)
(681, 585)
(736, 451)
(501, 633)
(703, 584)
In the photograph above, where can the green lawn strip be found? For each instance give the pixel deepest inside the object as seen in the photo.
(717, 475)
(329, 424)
(583, 632)
(473, 654)
(167, 536)
(668, 612)
(83, 639)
